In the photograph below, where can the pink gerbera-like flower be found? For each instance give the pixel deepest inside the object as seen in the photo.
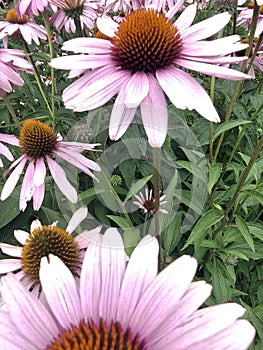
(146, 202)
(119, 307)
(12, 61)
(32, 7)
(141, 60)
(42, 241)
(74, 13)
(16, 25)
(39, 144)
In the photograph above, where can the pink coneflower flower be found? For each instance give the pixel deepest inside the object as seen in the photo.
(12, 61)
(73, 13)
(119, 307)
(39, 144)
(42, 241)
(32, 7)
(21, 26)
(146, 202)
(142, 60)
(246, 15)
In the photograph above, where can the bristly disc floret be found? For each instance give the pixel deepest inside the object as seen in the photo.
(47, 240)
(145, 41)
(37, 139)
(89, 336)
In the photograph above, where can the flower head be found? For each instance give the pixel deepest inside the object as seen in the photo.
(147, 202)
(246, 15)
(42, 241)
(39, 144)
(21, 26)
(12, 61)
(71, 13)
(115, 306)
(141, 60)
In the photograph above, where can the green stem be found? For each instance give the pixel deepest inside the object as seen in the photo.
(38, 80)
(11, 111)
(244, 176)
(51, 53)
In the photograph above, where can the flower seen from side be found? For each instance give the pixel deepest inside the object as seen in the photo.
(11, 62)
(40, 144)
(42, 241)
(119, 306)
(245, 17)
(72, 14)
(33, 7)
(142, 61)
(146, 202)
(22, 27)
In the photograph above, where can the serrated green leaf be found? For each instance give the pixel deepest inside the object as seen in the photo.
(244, 230)
(228, 126)
(199, 231)
(136, 187)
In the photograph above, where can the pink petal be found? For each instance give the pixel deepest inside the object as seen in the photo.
(27, 186)
(154, 114)
(88, 45)
(8, 265)
(11, 250)
(76, 219)
(40, 172)
(107, 26)
(38, 196)
(21, 236)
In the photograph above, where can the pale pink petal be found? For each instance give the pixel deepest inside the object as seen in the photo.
(107, 26)
(60, 290)
(40, 172)
(21, 236)
(88, 45)
(154, 114)
(77, 217)
(139, 274)
(28, 313)
(34, 225)
(11, 250)
(8, 265)
(136, 89)
(38, 196)
(5, 151)
(61, 180)
(11, 182)
(186, 18)
(27, 186)
(113, 263)
(81, 61)
(185, 92)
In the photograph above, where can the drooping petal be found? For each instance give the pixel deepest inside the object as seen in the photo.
(77, 217)
(11, 250)
(8, 265)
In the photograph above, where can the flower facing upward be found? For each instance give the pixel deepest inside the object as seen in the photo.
(147, 202)
(116, 307)
(39, 144)
(12, 61)
(142, 60)
(72, 13)
(21, 25)
(42, 241)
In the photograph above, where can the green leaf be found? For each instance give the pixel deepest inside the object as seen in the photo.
(120, 221)
(244, 230)
(172, 235)
(52, 216)
(221, 284)
(214, 174)
(199, 231)
(131, 237)
(253, 317)
(256, 195)
(136, 187)
(228, 126)
(196, 170)
(9, 208)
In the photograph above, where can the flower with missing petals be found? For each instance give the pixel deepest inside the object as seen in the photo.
(21, 26)
(141, 60)
(147, 202)
(40, 144)
(42, 241)
(11, 62)
(118, 306)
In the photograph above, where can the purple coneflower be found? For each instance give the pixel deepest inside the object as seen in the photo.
(72, 13)
(42, 241)
(141, 60)
(12, 61)
(39, 144)
(147, 202)
(21, 26)
(246, 15)
(115, 306)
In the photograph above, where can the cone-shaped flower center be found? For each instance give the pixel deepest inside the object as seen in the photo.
(251, 6)
(149, 205)
(13, 17)
(37, 139)
(47, 240)
(145, 41)
(90, 337)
